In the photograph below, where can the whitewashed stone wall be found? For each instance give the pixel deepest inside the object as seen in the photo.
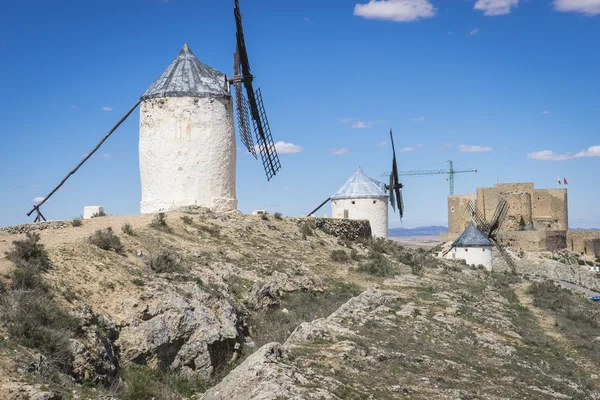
(187, 154)
(473, 255)
(373, 210)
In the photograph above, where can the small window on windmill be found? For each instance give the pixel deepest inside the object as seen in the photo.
(196, 101)
(353, 202)
(161, 103)
(466, 249)
(374, 202)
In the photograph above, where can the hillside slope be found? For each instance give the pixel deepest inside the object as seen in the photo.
(240, 307)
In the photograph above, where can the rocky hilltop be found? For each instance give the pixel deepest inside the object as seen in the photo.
(194, 304)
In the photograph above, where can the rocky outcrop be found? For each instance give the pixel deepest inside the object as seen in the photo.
(186, 330)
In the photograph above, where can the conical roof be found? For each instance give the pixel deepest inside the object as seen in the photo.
(359, 186)
(472, 237)
(188, 77)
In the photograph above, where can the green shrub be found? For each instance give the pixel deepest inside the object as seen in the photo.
(31, 251)
(277, 215)
(160, 223)
(165, 262)
(354, 255)
(339, 256)
(376, 264)
(128, 229)
(138, 282)
(580, 261)
(99, 214)
(28, 311)
(187, 220)
(76, 222)
(306, 230)
(140, 382)
(106, 240)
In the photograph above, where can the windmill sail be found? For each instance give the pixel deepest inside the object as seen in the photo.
(262, 131)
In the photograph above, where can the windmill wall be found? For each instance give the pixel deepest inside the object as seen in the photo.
(375, 210)
(187, 153)
(473, 255)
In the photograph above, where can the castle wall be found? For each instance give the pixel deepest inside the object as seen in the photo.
(550, 209)
(187, 154)
(577, 240)
(373, 210)
(458, 216)
(534, 240)
(592, 247)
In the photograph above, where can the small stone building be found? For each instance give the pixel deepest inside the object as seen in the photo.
(363, 198)
(473, 247)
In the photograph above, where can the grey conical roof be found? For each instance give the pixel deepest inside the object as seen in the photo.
(472, 237)
(359, 186)
(188, 77)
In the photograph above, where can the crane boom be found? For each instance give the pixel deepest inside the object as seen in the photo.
(450, 172)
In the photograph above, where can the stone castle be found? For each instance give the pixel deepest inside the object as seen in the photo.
(543, 211)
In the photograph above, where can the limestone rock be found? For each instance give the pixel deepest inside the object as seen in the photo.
(195, 332)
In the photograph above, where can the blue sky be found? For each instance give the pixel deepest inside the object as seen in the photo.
(509, 87)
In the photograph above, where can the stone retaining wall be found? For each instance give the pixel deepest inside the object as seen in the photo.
(534, 240)
(38, 226)
(345, 228)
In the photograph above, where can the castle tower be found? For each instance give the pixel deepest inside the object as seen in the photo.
(362, 198)
(187, 140)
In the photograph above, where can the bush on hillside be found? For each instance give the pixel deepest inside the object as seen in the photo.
(106, 240)
(339, 256)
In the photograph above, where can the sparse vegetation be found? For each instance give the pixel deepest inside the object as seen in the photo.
(28, 311)
(277, 215)
(187, 220)
(128, 229)
(354, 255)
(576, 316)
(99, 214)
(306, 230)
(376, 264)
(106, 240)
(274, 325)
(339, 256)
(160, 223)
(138, 282)
(76, 222)
(264, 217)
(165, 262)
(141, 382)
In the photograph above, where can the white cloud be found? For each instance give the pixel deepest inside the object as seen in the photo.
(338, 152)
(395, 10)
(287, 148)
(381, 144)
(474, 32)
(106, 108)
(34, 186)
(473, 149)
(106, 155)
(37, 199)
(447, 145)
(546, 112)
(587, 7)
(548, 155)
(420, 119)
(495, 7)
(414, 148)
(358, 124)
